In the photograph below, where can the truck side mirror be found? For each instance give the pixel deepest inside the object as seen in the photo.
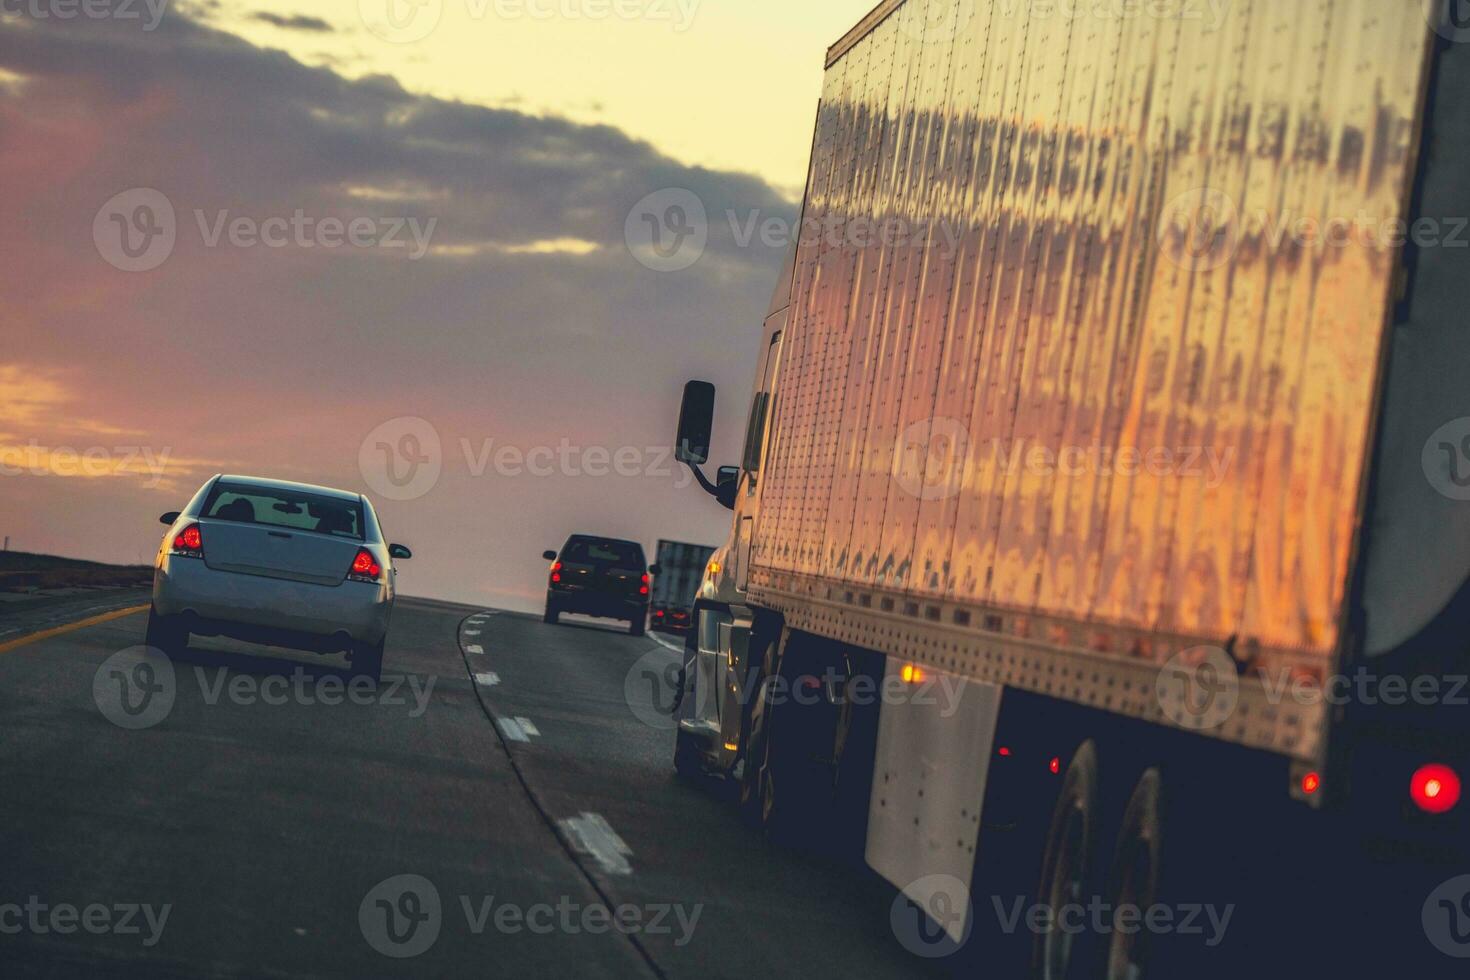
(655, 569)
(549, 555)
(696, 423)
(727, 486)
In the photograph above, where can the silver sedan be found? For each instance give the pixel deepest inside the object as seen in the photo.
(285, 564)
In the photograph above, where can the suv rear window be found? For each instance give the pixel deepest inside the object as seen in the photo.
(291, 509)
(601, 551)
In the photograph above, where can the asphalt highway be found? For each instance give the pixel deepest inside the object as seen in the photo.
(503, 804)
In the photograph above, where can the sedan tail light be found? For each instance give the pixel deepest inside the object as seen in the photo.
(365, 568)
(189, 543)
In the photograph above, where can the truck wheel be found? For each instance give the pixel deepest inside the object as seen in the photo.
(752, 777)
(164, 633)
(1134, 879)
(552, 615)
(638, 626)
(796, 791)
(1067, 866)
(367, 661)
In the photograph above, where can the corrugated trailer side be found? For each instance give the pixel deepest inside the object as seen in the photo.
(1082, 369)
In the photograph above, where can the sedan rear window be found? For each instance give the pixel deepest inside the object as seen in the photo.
(291, 509)
(601, 551)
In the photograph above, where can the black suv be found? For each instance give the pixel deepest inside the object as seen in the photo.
(600, 577)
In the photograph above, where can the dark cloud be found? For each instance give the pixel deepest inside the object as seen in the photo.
(297, 22)
(283, 359)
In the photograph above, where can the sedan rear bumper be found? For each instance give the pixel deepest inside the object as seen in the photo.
(260, 609)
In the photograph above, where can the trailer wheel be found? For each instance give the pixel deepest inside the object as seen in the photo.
(1066, 866)
(796, 789)
(1134, 879)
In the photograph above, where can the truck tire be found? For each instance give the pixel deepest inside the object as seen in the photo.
(798, 788)
(638, 627)
(1067, 868)
(552, 616)
(752, 775)
(1134, 878)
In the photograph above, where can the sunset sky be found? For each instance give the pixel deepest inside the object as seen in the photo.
(486, 172)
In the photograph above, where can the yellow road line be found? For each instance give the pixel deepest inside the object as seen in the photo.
(70, 628)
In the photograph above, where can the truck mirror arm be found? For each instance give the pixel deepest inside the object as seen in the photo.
(725, 495)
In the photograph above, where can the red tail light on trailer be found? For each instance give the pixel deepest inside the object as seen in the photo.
(1435, 788)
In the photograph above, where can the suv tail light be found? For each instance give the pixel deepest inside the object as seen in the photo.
(643, 588)
(189, 543)
(556, 571)
(365, 568)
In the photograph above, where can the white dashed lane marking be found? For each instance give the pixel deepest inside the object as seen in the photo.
(592, 835)
(475, 648)
(471, 632)
(489, 679)
(518, 729)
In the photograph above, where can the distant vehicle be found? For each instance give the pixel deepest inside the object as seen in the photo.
(680, 570)
(284, 564)
(975, 464)
(601, 577)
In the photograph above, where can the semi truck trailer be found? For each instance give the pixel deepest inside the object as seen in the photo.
(1101, 534)
(681, 570)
